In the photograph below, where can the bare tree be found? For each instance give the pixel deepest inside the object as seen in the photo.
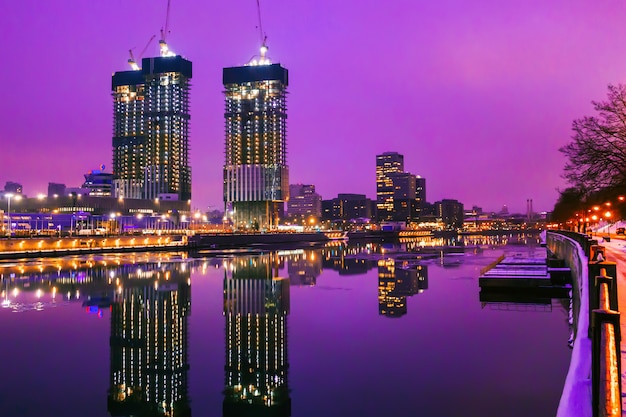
(596, 158)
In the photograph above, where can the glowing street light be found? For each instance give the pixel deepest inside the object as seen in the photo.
(9, 196)
(608, 215)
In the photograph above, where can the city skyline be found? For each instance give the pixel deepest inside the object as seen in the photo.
(485, 93)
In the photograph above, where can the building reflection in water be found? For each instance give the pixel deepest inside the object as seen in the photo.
(346, 261)
(304, 268)
(256, 306)
(149, 329)
(396, 282)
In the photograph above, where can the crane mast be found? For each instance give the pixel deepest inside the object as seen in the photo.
(164, 49)
(262, 59)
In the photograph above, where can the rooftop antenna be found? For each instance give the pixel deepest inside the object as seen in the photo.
(132, 61)
(165, 51)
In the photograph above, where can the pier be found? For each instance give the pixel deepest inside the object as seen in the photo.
(524, 275)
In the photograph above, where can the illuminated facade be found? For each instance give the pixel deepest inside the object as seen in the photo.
(149, 353)
(151, 130)
(450, 212)
(98, 183)
(386, 164)
(256, 175)
(304, 201)
(256, 305)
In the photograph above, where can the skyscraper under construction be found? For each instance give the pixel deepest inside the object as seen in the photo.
(256, 175)
(151, 130)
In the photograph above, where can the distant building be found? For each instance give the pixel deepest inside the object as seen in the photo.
(304, 201)
(347, 207)
(151, 129)
(256, 175)
(403, 185)
(55, 189)
(13, 187)
(420, 190)
(450, 212)
(386, 164)
(98, 183)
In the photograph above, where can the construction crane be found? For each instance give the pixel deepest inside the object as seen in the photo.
(262, 60)
(132, 62)
(165, 51)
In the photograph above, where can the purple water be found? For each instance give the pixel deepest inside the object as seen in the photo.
(342, 334)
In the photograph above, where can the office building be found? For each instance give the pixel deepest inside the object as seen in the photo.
(420, 190)
(151, 130)
(386, 164)
(450, 212)
(347, 207)
(56, 189)
(256, 175)
(304, 202)
(13, 187)
(98, 183)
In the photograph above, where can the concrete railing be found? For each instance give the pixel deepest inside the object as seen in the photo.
(593, 382)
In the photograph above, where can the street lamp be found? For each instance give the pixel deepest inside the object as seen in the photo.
(9, 196)
(608, 225)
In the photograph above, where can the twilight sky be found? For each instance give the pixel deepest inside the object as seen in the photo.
(478, 95)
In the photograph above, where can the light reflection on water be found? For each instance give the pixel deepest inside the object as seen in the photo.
(371, 329)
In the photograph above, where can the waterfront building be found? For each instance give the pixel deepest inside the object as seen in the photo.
(55, 189)
(256, 175)
(98, 183)
(256, 306)
(406, 210)
(450, 212)
(106, 205)
(304, 202)
(347, 207)
(386, 164)
(403, 184)
(400, 195)
(420, 190)
(403, 203)
(151, 130)
(13, 187)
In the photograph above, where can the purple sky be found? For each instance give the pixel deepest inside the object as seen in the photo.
(478, 96)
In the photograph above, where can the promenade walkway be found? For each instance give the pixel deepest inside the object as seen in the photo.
(616, 252)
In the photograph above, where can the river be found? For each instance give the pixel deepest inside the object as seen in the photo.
(364, 329)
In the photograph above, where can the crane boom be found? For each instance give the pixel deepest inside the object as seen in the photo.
(263, 37)
(132, 61)
(164, 32)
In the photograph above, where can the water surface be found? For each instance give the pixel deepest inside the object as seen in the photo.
(363, 330)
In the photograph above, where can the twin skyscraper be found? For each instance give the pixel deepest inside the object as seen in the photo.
(151, 136)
